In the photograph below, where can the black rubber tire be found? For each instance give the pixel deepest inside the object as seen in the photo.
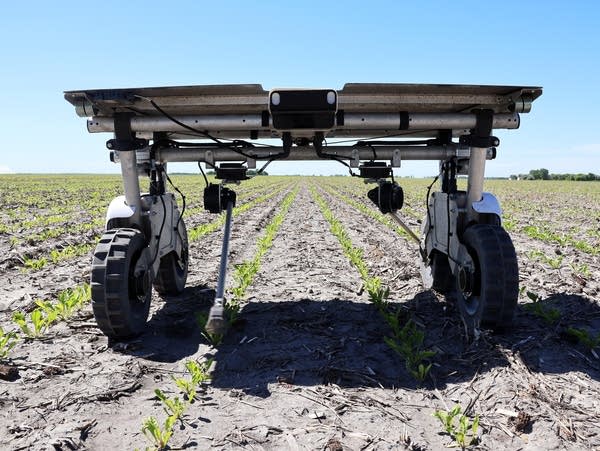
(120, 299)
(491, 298)
(173, 269)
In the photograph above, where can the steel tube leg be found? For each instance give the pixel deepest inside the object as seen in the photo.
(216, 323)
(476, 175)
(131, 183)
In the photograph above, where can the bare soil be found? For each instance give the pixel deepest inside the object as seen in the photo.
(307, 366)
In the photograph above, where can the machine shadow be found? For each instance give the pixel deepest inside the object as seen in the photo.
(312, 342)
(172, 333)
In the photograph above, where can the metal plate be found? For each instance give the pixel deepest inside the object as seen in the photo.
(354, 97)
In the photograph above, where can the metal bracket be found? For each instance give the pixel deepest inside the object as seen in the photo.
(209, 158)
(355, 161)
(481, 135)
(125, 139)
(396, 158)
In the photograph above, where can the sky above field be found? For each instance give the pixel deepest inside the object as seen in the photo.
(49, 47)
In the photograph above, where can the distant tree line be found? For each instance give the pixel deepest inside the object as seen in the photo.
(544, 174)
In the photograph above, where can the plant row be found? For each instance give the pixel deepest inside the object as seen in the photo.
(245, 272)
(35, 323)
(406, 339)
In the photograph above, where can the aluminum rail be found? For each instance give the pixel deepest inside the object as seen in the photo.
(246, 123)
(302, 153)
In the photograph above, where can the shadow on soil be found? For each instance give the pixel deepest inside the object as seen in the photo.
(311, 342)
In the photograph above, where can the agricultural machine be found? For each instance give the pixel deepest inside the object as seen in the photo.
(464, 251)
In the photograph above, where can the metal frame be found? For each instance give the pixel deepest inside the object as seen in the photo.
(417, 122)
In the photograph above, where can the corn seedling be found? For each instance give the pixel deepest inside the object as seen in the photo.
(213, 339)
(72, 300)
(199, 371)
(550, 315)
(408, 341)
(584, 337)
(582, 269)
(463, 431)
(158, 435)
(187, 387)
(8, 340)
(35, 263)
(198, 375)
(172, 406)
(39, 320)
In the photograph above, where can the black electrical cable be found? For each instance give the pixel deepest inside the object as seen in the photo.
(203, 174)
(183, 204)
(322, 154)
(197, 131)
(162, 225)
(421, 249)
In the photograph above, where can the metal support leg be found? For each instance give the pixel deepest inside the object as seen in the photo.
(216, 323)
(476, 176)
(131, 183)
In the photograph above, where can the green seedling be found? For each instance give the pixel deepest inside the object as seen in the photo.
(198, 375)
(8, 340)
(463, 432)
(187, 387)
(550, 315)
(158, 435)
(408, 341)
(585, 338)
(172, 406)
(70, 301)
(202, 320)
(35, 263)
(581, 269)
(199, 371)
(39, 320)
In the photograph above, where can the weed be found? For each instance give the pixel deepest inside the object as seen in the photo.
(8, 340)
(464, 433)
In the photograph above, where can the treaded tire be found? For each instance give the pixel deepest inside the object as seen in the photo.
(491, 298)
(120, 298)
(173, 269)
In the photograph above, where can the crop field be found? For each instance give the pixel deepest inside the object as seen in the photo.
(334, 345)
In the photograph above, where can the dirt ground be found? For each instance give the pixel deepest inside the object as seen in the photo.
(307, 367)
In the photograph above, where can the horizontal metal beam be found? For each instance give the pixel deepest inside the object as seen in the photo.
(355, 124)
(305, 153)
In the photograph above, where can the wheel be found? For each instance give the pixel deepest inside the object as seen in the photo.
(173, 269)
(487, 294)
(438, 275)
(121, 283)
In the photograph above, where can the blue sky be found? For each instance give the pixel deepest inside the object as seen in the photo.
(49, 47)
